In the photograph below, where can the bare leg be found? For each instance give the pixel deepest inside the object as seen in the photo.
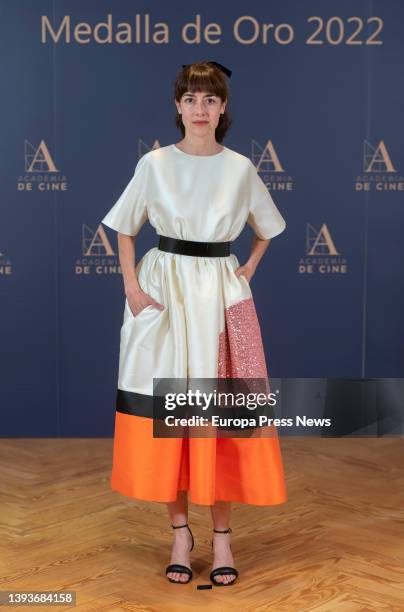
(178, 513)
(220, 511)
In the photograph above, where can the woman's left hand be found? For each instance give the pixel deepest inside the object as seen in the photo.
(247, 271)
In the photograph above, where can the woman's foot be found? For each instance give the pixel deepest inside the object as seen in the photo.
(180, 553)
(222, 556)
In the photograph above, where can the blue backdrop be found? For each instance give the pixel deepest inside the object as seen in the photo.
(316, 100)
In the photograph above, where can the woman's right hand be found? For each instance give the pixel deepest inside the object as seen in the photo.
(139, 299)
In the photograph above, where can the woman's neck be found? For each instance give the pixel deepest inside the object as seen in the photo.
(199, 148)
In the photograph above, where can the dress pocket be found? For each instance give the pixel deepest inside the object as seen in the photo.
(245, 279)
(245, 290)
(129, 314)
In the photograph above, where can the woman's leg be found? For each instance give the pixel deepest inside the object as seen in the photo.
(178, 513)
(220, 511)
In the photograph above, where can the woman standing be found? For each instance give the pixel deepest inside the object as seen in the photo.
(189, 312)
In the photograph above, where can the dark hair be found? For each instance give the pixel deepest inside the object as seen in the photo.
(202, 76)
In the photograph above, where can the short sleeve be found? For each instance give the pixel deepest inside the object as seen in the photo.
(129, 212)
(264, 217)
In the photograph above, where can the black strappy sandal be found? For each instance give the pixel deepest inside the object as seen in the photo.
(177, 567)
(225, 570)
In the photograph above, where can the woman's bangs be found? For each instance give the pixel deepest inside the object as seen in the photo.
(203, 82)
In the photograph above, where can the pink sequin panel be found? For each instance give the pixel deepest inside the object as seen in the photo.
(241, 353)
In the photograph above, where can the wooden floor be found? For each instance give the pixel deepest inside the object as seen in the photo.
(337, 544)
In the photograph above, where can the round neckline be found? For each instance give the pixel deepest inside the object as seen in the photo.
(198, 156)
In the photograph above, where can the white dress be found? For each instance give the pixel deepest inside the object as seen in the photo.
(208, 327)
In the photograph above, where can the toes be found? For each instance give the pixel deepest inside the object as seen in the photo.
(225, 578)
(178, 576)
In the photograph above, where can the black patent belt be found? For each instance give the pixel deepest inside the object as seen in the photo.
(191, 247)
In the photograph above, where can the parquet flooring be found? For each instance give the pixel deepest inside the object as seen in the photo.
(337, 544)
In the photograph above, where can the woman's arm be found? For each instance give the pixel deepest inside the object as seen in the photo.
(137, 298)
(257, 251)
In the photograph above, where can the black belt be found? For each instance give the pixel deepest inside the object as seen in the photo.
(190, 247)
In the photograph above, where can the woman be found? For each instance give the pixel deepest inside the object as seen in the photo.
(189, 312)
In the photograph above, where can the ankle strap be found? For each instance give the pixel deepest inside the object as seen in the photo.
(179, 526)
(229, 530)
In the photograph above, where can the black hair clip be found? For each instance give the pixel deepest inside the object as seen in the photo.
(226, 71)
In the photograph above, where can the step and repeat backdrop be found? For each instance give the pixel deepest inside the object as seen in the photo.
(316, 98)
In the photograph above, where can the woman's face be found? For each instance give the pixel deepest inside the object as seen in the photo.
(200, 112)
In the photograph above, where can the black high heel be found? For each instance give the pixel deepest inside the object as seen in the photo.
(177, 567)
(225, 570)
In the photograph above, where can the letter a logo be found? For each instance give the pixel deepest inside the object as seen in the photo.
(268, 160)
(96, 243)
(319, 242)
(376, 160)
(38, 159)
